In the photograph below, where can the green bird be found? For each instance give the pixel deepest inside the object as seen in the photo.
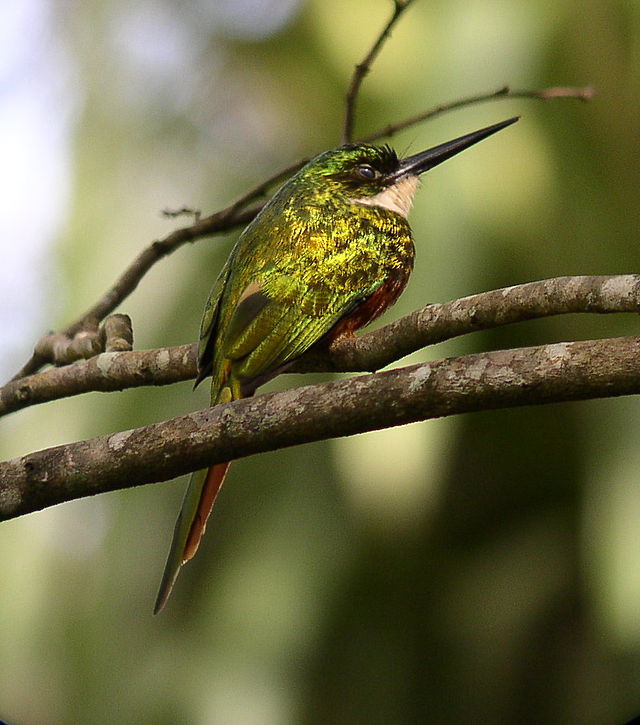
(327, 254)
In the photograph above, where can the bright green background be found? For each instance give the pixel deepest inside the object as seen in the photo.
(481, 569)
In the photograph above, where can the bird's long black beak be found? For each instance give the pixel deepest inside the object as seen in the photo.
(419, 163)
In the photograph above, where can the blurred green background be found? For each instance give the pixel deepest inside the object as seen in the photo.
(482, 569)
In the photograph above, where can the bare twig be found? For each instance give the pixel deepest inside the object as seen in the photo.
(61, 348)
(117, 333)
(506, 378)
(362, 68)
(545, 94)
(183, 211)
(368, 352)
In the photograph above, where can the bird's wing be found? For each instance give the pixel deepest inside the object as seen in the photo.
(209, 323)
(268, 330)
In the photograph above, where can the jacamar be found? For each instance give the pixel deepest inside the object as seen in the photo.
(326, 255)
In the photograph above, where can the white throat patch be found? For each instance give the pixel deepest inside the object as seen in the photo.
(398, 197)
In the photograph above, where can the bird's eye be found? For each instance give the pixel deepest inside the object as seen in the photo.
(364, 171)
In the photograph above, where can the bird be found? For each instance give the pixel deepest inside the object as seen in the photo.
(328, 254)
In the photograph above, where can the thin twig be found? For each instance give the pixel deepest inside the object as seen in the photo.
(582, 94)
(362, 68)
(371, 351)
(182, 211)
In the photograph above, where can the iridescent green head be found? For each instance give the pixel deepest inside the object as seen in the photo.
(375, 176)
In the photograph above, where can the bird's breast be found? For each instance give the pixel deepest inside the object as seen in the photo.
(373, 306)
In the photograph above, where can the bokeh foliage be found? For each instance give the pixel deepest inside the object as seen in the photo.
(482, 569)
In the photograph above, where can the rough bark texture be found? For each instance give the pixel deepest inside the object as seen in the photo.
(535, 375)
(369, 352)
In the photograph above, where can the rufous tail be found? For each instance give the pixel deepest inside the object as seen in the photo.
(192, 520)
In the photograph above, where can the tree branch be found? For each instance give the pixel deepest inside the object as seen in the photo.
(504, 92)
(362, 68)
(506, 378)
(368, 352)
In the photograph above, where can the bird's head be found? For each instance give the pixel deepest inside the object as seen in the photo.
(375, 176)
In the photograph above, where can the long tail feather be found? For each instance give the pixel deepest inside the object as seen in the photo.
(192, 520)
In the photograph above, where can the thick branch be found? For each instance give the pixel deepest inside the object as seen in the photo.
(106, 372)
(372, 351)
(435, 323)
(536, 375)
